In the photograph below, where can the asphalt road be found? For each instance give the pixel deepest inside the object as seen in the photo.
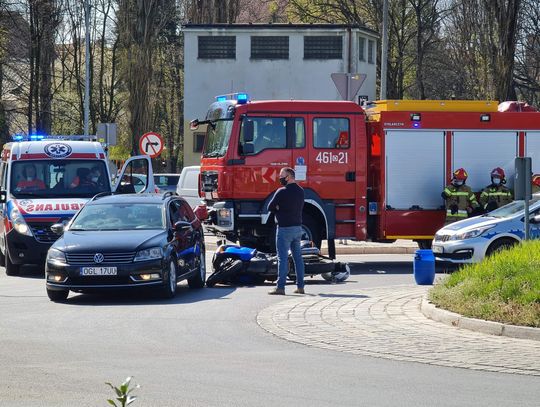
(204, 348)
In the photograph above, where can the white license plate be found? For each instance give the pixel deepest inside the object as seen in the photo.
(437, 249)
(98, 271)
(208, 195)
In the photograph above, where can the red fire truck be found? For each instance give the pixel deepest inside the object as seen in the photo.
(368, 174)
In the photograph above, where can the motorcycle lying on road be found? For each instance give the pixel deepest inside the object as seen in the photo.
(234, 264)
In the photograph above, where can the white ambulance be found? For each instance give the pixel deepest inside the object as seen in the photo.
(46, 180)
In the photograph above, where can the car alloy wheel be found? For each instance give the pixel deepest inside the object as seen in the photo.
(197, 281)
(169, 289)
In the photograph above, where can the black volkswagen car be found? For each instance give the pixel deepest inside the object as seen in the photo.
(126, 241)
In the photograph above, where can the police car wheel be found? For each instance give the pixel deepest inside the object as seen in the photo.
(11, 269)
(500, 244)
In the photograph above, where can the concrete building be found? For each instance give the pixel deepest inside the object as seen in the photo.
(271, 61)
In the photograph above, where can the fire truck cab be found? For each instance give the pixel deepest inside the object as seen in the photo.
(368, 174)
(46, 180)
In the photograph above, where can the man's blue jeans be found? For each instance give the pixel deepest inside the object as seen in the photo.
(289, 238)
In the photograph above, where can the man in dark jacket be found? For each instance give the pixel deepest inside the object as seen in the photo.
(287, 204)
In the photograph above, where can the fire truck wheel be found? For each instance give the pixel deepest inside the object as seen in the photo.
(11, 269)
(424, 244)
(311, 230)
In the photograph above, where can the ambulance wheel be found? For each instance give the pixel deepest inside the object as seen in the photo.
(500, 244)
(11, 269)
(424, 244)
(311, 230)
(2, 258)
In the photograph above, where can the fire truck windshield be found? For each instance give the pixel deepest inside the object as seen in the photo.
(217, 138)
(58, 178)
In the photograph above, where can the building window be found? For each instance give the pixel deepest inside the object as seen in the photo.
(371, 52)
(217, 47)
(323, 47)
(198, 142)
(270, 47)
(331, 133)
(362, 48)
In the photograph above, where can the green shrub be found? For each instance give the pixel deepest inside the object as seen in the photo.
(505, 287)
(123, 394)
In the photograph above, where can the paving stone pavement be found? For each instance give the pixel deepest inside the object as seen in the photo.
(387, 323)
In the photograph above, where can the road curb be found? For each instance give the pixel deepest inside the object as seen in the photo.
(431, 311)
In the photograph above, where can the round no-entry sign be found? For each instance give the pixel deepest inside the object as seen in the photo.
(151, 144)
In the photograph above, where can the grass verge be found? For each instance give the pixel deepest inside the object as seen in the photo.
(504, 287)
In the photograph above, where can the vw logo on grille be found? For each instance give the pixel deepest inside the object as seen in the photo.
(98, 258)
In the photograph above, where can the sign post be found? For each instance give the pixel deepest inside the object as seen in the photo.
(106, 132)
(151, 144)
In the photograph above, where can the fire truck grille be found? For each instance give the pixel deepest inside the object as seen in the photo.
(81, 259)
(43, 233)
(442, 238)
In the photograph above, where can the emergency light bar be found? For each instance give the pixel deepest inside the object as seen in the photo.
(240, 97)
(39, 137)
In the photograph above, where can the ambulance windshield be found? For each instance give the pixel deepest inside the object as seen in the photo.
(58, 178)
(217, 138)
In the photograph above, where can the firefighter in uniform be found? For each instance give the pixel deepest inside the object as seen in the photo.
(496, 194)
(535, 184)
(459, 198)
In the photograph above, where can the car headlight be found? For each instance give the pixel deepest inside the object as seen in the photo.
(149, 254)
(56, 256)
(18, 222)
(471, 233)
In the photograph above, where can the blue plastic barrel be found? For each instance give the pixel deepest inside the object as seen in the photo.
(424, 267)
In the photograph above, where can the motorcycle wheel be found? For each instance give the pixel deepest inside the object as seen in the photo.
(223, 269)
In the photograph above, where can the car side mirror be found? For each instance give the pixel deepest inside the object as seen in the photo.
(201, 212)
(194, 124)
(248, 148)
(58, 228)
(3, 196)
(248, 131)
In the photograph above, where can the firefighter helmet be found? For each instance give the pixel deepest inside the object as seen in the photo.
(536, 180)
(498, 173)
(460, 174)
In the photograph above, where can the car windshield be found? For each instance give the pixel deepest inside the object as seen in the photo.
(511, 209)
(58, 178)
(116, 216)
(217, 138)
(166, 180)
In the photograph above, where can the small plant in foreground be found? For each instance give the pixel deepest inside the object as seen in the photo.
(123, 393)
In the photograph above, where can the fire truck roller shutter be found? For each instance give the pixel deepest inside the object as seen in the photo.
(532, 149)
(481, 151)
(413, 183)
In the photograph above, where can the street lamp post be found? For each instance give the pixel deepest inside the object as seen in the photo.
(384, 50)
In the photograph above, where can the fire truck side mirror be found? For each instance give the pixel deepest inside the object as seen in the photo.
(3, 196)
(248, 148)
(248, 131)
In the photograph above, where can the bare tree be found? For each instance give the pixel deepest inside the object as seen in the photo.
(139, 24)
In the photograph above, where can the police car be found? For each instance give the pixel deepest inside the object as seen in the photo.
(46, 180)
(470, 240)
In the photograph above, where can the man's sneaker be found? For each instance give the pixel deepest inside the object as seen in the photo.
(299, 291)
(277, 291)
